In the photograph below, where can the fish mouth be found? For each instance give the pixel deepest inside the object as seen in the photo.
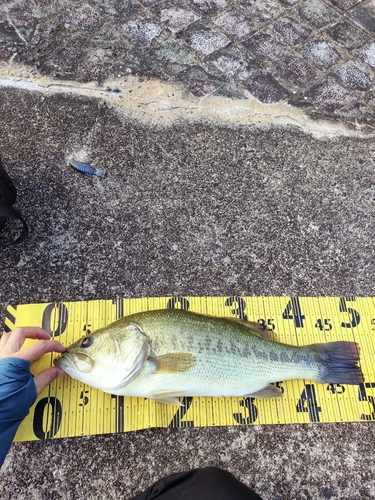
(73, 363)
(65, 359)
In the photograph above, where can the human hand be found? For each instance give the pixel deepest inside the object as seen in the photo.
(11, 343)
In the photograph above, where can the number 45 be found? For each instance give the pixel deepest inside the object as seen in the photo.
(323, 324)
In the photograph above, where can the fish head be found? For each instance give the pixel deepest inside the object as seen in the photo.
(108, 358)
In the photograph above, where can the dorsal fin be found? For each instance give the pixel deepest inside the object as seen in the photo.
(255, 328)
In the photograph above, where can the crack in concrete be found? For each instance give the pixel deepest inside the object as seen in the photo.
(9, 66)
(19, 34)
(148, 102)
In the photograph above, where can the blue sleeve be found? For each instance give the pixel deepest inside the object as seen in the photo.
(17, 395)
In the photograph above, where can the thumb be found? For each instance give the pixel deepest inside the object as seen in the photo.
(46, 377)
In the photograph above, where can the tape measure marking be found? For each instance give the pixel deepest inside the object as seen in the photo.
(69, 408)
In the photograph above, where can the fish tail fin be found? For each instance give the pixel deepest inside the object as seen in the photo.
(340, 362)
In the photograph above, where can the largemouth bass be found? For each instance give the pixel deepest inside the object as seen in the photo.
(169, 353)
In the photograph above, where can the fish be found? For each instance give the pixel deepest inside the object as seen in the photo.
(170, 353)
(85, 168)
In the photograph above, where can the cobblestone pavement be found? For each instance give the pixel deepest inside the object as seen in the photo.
(314, 54)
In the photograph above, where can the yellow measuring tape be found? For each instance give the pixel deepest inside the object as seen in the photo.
(69, 408)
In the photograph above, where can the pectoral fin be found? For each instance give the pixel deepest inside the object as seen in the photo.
(167, 397)
(270, 391)
(175, 362)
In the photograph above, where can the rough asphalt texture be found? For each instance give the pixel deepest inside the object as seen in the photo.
(190, 206)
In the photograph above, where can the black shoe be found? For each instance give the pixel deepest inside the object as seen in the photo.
(8, 194)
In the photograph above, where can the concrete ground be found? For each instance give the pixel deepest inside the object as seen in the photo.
(231, 171)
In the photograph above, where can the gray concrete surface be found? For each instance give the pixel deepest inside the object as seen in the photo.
(204, 196)
(188, 207)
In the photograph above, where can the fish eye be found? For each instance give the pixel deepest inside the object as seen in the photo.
(86, 342)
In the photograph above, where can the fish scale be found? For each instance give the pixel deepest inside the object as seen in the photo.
(170, 353)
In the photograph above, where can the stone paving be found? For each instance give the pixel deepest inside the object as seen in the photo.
(314, 54)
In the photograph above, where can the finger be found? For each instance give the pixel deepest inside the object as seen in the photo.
(17, 337)
(38, 349)
(46, 377)
(3, 338)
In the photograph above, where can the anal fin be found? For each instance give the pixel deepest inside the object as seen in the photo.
(270, 391)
